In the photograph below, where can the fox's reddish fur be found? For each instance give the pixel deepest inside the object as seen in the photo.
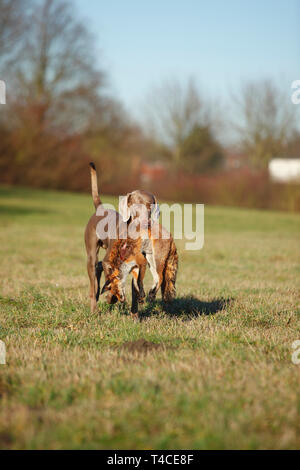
(121, 249)
(166, 262)
(168, 286)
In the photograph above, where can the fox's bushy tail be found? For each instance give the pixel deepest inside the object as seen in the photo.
(94, 183)
(170, 273)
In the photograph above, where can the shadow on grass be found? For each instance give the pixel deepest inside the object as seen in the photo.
(21, 211)
(188, 307)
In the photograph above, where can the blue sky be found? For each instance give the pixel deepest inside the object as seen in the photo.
(218, 42)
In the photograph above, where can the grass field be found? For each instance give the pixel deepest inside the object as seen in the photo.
(219, 375)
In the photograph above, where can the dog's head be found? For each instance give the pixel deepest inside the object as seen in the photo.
(141, 204)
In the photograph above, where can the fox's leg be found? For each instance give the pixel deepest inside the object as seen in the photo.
(135, 294)
(140, 281)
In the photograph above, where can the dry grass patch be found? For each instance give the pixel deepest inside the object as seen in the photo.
(213, 370)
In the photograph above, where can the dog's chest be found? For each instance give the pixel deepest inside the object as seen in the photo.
(147, 247)
(126, 268)
(148, 251)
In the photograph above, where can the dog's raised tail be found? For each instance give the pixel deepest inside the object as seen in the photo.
(170, 273)
(95, 193)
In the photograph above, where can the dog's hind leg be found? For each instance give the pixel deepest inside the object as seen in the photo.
(91, 244)
(91, 272)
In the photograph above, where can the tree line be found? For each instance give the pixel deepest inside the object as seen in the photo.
(61, 113)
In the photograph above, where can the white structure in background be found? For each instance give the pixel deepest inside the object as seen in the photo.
(285, 170)
(2, 353)
(2, 92)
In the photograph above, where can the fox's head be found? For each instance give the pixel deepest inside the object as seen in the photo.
(122, 260)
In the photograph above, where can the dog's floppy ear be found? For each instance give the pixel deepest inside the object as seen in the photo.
(123, 207)
(105, 287)
(155, 212)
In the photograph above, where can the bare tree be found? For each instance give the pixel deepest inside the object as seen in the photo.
(175, 111)
(266, 121)
(12, 28)
(59, 112)
(57, 77)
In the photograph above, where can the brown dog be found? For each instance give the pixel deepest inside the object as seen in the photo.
(94, 240)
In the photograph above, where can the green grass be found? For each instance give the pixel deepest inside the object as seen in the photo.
(222, 376)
